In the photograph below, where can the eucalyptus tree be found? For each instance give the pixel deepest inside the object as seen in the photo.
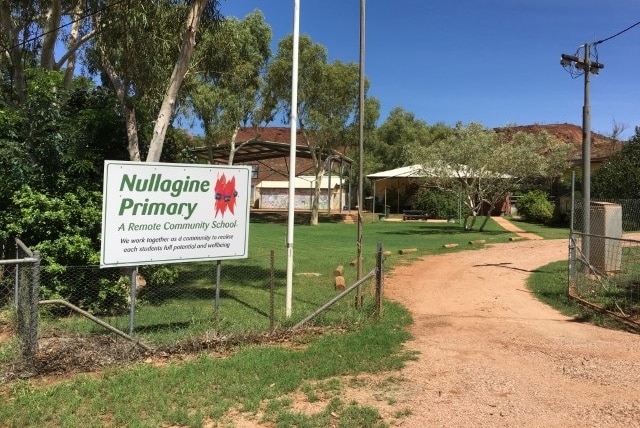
(400, 134)
(327, 101)
(482, 166)
(619, 176)
(43, 34)
(371, 162)
(224, 86)
(146, 57)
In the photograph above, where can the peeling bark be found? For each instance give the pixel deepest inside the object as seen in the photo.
(177, 76)
(128, 111)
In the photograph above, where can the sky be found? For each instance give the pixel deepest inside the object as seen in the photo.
(496, 62)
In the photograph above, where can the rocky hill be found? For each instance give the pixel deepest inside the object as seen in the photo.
(601, 147)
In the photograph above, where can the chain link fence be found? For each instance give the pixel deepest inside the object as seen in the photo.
(604, 264)
(8, 281)
(69, 314)
(170, 302)
(20, 280)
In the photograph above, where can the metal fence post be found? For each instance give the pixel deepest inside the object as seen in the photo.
(572, 262)
(272, 293)
(133, 284)
(216, 309)
(379, 279)
(572, 236)
(16, 287)
(30, 315)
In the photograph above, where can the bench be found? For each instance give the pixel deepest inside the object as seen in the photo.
(414, 215)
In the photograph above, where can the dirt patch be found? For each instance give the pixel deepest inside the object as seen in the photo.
(493, 355)
(62, 355)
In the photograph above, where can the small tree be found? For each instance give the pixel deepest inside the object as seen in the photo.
(535, 207)
(223, 91)
(65, 229)
(484, 167)
(327, 101)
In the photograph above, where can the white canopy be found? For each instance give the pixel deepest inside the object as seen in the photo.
(419, 171)
(406, 171)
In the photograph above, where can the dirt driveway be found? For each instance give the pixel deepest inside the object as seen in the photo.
(491, 355)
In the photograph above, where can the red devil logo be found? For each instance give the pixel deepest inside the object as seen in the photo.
(226, 194)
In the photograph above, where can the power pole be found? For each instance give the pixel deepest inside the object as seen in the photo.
(587, 67)
(360, 149)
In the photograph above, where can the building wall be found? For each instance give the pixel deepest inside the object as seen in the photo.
(278, 198)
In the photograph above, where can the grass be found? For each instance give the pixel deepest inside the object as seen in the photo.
(258, 381)
(166, 314)
(549, 285)
(206, 388)
(547, 232)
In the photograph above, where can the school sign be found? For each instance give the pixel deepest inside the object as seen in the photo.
(170, 213)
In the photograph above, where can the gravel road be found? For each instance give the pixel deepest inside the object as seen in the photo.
(491, 355)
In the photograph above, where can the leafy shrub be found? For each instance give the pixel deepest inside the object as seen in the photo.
(160, 282)
(534, 206)
(164, 276)
(437, 203)
(112, 297)
(99, 291)
(65, 230)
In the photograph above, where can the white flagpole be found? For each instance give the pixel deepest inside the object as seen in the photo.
(292, 155)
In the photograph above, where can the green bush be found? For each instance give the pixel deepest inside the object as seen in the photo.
(65, 229)
(160, 282)
(534, 206)
(112, 297)
(437, 203)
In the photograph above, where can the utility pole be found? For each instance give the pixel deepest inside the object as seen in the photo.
(587, 66)
(360, 149)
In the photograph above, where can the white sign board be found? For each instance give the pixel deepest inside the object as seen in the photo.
(170, 213)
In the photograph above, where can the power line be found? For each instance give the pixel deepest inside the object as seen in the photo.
(577, 66)
(38, 36)
(617, 34)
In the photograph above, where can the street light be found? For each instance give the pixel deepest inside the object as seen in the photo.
(587, 67)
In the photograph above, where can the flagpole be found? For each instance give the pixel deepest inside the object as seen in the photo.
(292, 157)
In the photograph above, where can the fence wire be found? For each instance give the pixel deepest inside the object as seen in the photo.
(178, 301)
(20, 280)
(604, 264)
(7, 284)
(175, 307)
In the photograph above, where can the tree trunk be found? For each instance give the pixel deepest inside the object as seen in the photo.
(469, 225)
(319, 172)
(128, 111)
(177, 76)
(132, 133)
(50, 35)
(70, 56)
(14, 53)
(74, 42)
(315, 206)
(232, 149)
(484, 222)
(492, 206)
